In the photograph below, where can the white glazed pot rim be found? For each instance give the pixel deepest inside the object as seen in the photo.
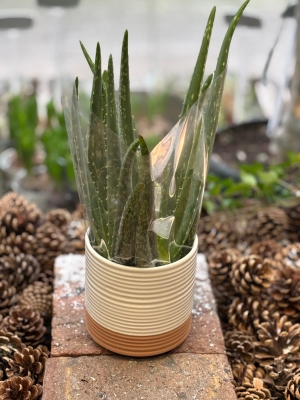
(141, 269)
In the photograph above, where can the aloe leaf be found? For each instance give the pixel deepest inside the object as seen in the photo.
(96, 97)
(223, 55)
(88, 58)
(143, 255)
(144, 169)
(195, 84)
(207, 83)
(125, 246)
(76, 87)
(97, 158)
(111, 100)
(83, 178)
(144, 172)
(124, 186)
(104, 97)
(113, 150)
(193, 187)
(127, 132)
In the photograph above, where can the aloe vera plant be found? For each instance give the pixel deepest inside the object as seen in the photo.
(143, 208)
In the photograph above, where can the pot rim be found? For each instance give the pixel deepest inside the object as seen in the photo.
(141, 269)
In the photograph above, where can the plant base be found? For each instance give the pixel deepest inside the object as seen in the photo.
(137, 346)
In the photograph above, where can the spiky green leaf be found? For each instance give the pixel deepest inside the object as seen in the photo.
(196, 81)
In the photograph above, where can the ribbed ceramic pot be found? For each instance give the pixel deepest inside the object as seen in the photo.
(139, 311)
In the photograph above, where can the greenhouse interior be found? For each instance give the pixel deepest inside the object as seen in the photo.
(150, 200)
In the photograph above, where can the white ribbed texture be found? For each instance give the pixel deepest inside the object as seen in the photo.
(139, 301)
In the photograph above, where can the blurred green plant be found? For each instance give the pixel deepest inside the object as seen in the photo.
(55, 141)
(23, 120)
(267, 185)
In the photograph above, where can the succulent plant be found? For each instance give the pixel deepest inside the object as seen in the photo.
(143, 208)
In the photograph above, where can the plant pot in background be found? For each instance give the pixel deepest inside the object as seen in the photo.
(139, 311)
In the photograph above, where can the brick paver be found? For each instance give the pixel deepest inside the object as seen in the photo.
(80, 368)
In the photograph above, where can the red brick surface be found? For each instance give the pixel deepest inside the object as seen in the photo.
(175, 376)
(80, 368)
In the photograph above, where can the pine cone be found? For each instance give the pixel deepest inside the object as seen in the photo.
(245, 373)
(9, 344)
(239, 346)
(270, 224)
(253, 391)
(216, 234)
(19, 270)
(293, 214)
(278, 341)
(220, 264)
(51, 243)
(76, 237)
(38, 296)
(29, 362)
(292, 255)
(60, 218)
(7, 297)
(245, 313)
(269, 249)
(277, 377)
(17, 215)
(12, 243)
(18, 388)
(26, 323)
(292, 391)
(47, 277)
(252, 275)
(285, 292)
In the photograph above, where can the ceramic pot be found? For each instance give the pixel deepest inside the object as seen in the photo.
(139, 311)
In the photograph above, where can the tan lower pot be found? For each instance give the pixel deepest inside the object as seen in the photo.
(139, 311)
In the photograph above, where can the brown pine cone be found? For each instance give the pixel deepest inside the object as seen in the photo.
(51, 243)
(292, 255)
(18, 388)
(269, 249)
(12, 243)
(76, 237)
(245, 373)
(292, 390)
(253, 391)
(46, 276)
(17, 214)
(277, 377)
(19, 270)
(38, 296)
(285, 292)
(293, 214)
(278, 341)
(269, 224)
(60, 218)
(220, 264)
(9, 344)
(25, 323)
(245, 313)
(216, 234)
(8, 297)
(29, 362)
(239, 346)
(252, 275)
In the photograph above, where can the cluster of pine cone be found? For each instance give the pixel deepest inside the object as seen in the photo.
(29, 243)
(256, 282)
